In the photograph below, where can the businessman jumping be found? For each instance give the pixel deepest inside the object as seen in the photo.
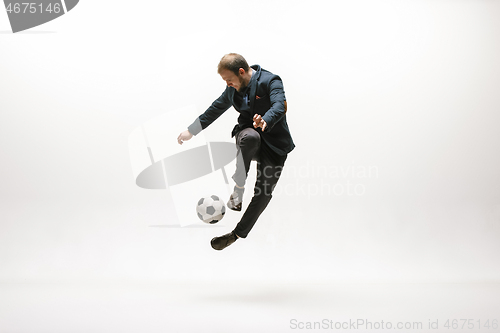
(261, 134)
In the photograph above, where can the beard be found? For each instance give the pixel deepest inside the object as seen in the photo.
(243, 85)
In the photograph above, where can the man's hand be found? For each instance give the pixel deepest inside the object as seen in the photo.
(184, 136)
(259, 122)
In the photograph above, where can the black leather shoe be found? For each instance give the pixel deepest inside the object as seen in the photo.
(235, 201)
(221, 242)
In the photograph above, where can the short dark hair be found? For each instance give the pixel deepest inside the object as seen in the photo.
(233, 62)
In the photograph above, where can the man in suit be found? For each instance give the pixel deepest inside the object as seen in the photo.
(261, 134)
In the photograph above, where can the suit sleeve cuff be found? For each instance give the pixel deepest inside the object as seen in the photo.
(269, 123)
(195, 127)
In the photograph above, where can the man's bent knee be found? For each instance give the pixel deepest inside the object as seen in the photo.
(249, 135)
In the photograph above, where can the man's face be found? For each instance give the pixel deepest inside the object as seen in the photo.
(233, 80)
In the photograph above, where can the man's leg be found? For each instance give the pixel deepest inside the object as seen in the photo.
(269, 168)
(248, 144)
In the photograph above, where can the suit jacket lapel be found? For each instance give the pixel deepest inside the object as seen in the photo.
(253, 89)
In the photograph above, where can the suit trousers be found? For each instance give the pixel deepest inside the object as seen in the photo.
(250, 147)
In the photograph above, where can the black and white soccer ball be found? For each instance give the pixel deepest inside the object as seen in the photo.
(211, 209)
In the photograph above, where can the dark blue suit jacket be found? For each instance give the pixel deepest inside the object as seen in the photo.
(267, 98)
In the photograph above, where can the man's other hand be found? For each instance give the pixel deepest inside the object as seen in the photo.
(259, 122)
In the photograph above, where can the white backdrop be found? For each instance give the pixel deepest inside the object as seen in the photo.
(393, 106)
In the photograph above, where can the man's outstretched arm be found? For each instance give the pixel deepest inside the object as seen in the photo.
(218, 107)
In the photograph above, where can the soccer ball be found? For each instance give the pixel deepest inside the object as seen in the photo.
(211, 209)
